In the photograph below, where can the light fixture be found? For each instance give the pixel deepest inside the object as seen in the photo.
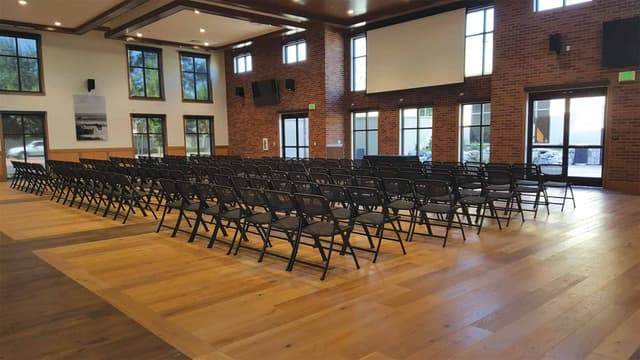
(196, 11)
(22, 2)
(139, 34)
(57, 23)
(202, 30)
(206, 43)
(360, 24)
(350, 11)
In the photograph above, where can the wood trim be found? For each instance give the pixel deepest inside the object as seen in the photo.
(108, 15)
(629, 187)
(89, 153)
(222, 150)
(177, 150)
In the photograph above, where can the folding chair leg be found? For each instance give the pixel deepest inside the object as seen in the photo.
(380, 236)
(328, 259)
(177, 226)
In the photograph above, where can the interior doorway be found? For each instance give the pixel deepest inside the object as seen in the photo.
(294, 136)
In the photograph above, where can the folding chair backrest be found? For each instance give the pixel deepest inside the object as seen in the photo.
(342, 179)
(279, 201)
(260, 183)
(306, 187)
(313, 205)
(252, 198)
(320, 178)
(365, 197)
(226, 195)
(282, 185)
(334, 193)
(395, 187)
(367, 181)
(428, 189)
(499, 177)
(298, 176)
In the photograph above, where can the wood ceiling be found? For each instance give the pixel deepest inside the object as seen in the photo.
(125, 18)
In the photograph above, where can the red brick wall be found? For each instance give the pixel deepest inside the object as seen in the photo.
(248, 123)
(443, 99)
(522, 60)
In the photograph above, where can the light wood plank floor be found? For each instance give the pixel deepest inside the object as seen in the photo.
(565, 286)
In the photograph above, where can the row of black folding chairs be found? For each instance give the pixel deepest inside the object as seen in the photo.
(296, 215)
(75, 185)
(29, 177)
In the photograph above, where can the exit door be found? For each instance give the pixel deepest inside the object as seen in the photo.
(567, 129)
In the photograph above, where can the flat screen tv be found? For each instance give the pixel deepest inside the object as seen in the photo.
(265, 92)
(621, 42)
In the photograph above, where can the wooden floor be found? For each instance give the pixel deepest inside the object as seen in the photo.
(565, 286)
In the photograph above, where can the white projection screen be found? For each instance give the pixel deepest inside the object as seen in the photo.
(418, 53)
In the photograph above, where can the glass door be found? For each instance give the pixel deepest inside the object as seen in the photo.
(567, 129)
(294, 133)
(23, 138)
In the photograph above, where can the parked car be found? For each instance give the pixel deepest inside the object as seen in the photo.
(34, 149)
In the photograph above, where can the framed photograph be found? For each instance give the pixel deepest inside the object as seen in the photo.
(91, 117)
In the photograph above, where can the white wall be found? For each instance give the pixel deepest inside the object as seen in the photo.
(69, 60)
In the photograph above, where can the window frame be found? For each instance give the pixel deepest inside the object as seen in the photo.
(296, 43)
(38, 39)
(482, 126)
(484, 38)
(564, 5)
(366, 130)
(245, 55)
(353, 62)
(198, 133)
(193, 56)
(147, 133)
(160, 69)
(417, 128)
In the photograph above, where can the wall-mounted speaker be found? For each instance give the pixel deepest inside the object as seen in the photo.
(240, 91)
(91, 84)
(555, 43)
(290, 84)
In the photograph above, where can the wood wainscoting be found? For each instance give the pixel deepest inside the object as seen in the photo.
(222, 150)
(97, 153)
(177, 151)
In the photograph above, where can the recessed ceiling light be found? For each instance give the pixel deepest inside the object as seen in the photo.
(206, 43)
(57, 23)
(22, 2)
(202, 30)
(139, 34)
(196, 11)
(350, 11)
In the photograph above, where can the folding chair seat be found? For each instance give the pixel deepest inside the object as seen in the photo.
(364, 202)
(230, 211)
(401, 200)
(338, 201)
(436, 197)
(553, 177)
(316, 222)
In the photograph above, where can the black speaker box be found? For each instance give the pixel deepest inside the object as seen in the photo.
(621, 42)
(290, 84)
(555, 43)
(240, 91)
(91, 84)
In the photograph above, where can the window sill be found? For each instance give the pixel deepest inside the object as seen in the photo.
(28, 93)
(210, 101)
(146, 98)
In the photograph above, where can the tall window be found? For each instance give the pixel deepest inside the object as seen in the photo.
(415, 132)
(294, 136)
(196, 83)
(479, 42)
(542, 5)
(365, 133)
(359, 63)
(475, 132)
(145, 72)
(20, 63)
(198, 135)
(294, 51)
(148, 135)
(242, 63)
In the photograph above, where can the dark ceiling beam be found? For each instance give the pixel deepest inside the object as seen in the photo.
(179, 5)
(143, 20)
(283, 11)
(109, 15)
(41, 27)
